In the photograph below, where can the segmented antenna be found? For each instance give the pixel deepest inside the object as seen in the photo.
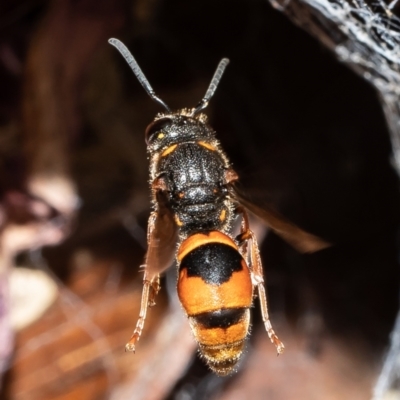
(138, 72)
(213, 86)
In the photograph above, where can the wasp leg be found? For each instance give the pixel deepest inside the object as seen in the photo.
(147, 285)
(258, 278)
(245, 233)
(161, 239)
(231, 176)
(151, 286)
(155, 288)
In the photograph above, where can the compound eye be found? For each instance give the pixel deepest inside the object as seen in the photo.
(155, 129)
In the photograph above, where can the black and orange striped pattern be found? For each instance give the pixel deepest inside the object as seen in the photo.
(215, 289)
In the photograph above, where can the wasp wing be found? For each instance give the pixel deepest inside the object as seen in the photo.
(299, 239)
(161, 238)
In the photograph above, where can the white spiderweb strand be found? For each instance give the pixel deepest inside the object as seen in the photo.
(366, 37)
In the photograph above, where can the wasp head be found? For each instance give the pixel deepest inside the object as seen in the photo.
(178, 127)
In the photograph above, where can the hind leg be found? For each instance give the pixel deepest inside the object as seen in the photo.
(247, 238)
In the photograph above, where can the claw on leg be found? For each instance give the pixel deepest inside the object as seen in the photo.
(130, 346)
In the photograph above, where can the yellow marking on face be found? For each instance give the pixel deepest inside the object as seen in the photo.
(160, 135)
(169, 150)
(181, 195)
(207, 145)
(222, 216)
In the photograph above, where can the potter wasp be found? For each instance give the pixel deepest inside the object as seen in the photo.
(195, 202)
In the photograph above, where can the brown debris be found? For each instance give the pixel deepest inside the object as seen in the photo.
(77, 348)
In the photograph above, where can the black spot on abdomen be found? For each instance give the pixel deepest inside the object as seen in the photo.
(213, 262)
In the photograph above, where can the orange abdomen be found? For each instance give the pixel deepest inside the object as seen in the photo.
(215, 289)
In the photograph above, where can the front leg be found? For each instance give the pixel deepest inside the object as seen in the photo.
(161, 237)
(151, 286)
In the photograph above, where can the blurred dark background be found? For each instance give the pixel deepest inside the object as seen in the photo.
(303, 132)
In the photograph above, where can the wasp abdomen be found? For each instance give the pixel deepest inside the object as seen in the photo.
(215, 289)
